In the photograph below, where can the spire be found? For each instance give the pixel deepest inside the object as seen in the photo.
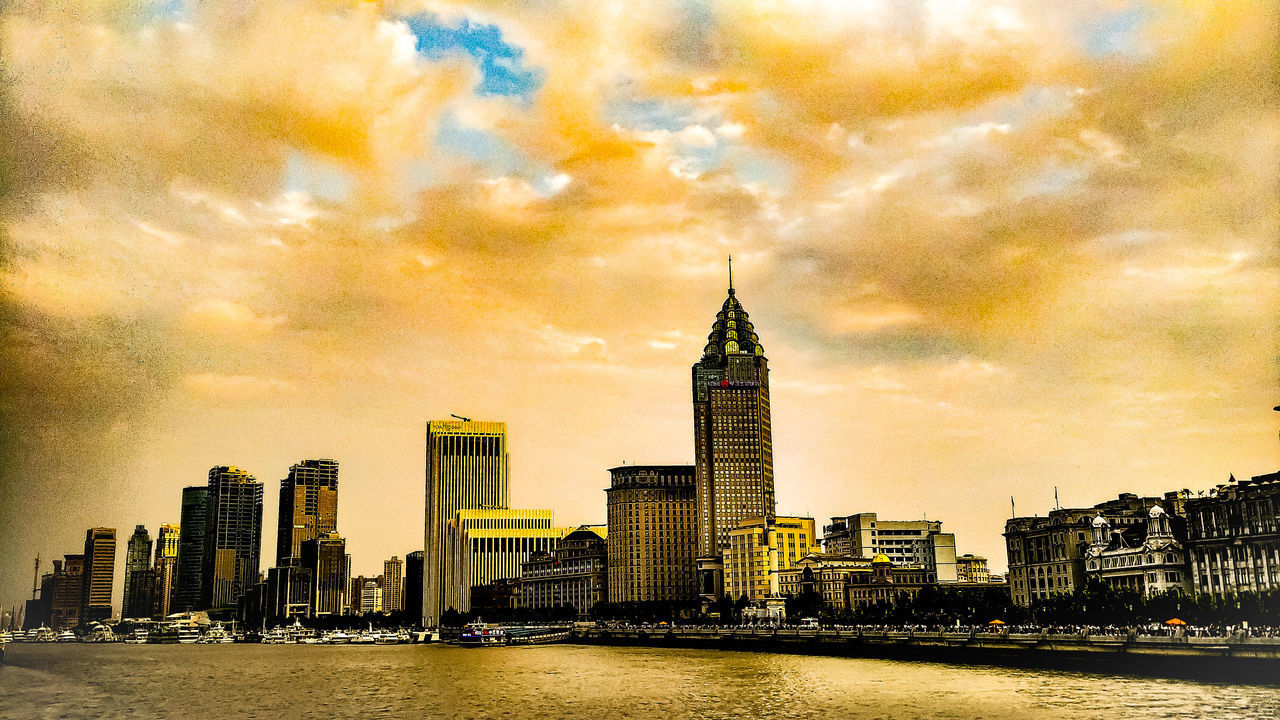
(730, 274)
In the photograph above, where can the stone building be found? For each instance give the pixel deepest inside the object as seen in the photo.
(904, 542)
(1233, 537)
(972, 569)
(652, 515)
(759, 550)
(575, 573)
(1148, 557)
(847, 583)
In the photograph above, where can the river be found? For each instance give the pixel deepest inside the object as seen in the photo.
(571, 681)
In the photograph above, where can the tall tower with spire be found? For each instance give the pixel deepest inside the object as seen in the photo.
(733, 439)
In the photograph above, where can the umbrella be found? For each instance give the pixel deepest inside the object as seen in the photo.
(996, 622)
(1175, 621)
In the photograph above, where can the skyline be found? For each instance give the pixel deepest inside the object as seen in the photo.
(993, 249)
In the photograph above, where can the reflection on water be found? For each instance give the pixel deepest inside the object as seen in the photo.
(256, 681)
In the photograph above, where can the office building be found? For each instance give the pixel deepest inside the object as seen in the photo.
(233, 536)
(575, 573)
(308, 507)
(67, 598)
(904, 542)
(653, 536)
(286, 593)
(759, 549)
(733, 437)
(1147, 557)
(972, 569)
(392, 585)
(188, 591)
(413, 584)
(168, 543)
(486, 545)
(325, 556)
(139, 578)
(1046, 554)
(1233, 537)
(371, 598)
(99, 574)
(466, 468)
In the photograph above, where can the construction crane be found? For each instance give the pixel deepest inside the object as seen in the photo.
(463, 419)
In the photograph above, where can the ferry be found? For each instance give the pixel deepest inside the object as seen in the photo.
(139, 636)
(480, 634)
(67, 636)
(216, 636)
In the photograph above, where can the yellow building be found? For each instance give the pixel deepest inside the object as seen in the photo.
(482, 546)
(758, 550)
(651, 538)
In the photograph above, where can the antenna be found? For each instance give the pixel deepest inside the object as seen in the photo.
(1013, 512)
(463, 419)
(35, 578)
(730, 273)
(1056, 504)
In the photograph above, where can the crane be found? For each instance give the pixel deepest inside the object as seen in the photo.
(463, 419)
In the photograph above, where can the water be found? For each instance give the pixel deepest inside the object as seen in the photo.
(571, 681)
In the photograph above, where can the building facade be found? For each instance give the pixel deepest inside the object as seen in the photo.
(1233, 537)
(904, 542)
(576, 574)
(1046, 554)
(759, 550)
(1148, 558)
(308, 507)
(413, 584)
(168, 542)
(733, 437)
(67, 596)
(371, 597)
(653, 533)
(99, 574)
(466, 468)
(325, 556)
(845, 582)
(188, 591)
(972, 569)
(233, 536)
(139, 577)
(486, 545)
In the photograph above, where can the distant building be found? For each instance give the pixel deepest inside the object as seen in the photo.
(653, 536)
(904, 542)
(1233, 537)
(233, 537)
(371, 597)
(392, 585)
(413, 584)
(759, 549)
(490, 544)
(38, 610)
(139, 577)
(733, 438)
(168, 543)
(466, 468)
(1147, 557)
(68, 592)
(188, 590)
(972, 569)
(886, 583)
(575, 573)
(498, 596)
(99, 574)
(356, 594)
(847, 583)
(287, 593)
(325, 556)
(1046, 554)
(308, 507)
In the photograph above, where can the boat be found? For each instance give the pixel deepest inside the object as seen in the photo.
(42, 634)
(139, 636)
(337, 637)
(188, 634)
(278, 636)
(216, 635)
(386, 637)
(101, 633)
(67, 636)
(480, 634)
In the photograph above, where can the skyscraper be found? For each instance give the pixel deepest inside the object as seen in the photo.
(466, 469)
(138, 577)
(166, 567)
(392, 584)
(308, 506)
(326, 557)
(651, 540)
(67, 597)
(188, 591)
(733, 438)
(413, 584)
(99, 574)
(233, 536)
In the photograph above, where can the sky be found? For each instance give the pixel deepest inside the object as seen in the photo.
(992, 250)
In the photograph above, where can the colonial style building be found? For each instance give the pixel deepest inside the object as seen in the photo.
(760, 549)
(848, 583)
(972, 569)
(1148, 558)
(652, 513)
(904, 542)
(575, 573)
(1233, 537)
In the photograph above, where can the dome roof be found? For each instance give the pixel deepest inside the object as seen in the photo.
(1156, 511)
(1100, 521)
(881, 558)
(732, 332)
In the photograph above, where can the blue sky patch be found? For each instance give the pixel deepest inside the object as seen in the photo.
(501, 64)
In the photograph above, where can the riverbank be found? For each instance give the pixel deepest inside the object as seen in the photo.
(1240, 660)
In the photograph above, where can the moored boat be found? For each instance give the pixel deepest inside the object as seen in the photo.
(480, 634)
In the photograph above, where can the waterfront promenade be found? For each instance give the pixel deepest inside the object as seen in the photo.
(1232, 657)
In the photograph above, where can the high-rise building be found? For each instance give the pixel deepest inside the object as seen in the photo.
(99, 574)
(392, 584)
(233, 536)
(371, 597)
(168, 543)
(904, 542)
(308, 506)
(413, 584)
(68, 592)
(139, 579)
(287, 592)
(326, 557)
(188, 590)
(652, 538)
(466, 469)
(733, 436)
(759, 550)
(483, 546)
